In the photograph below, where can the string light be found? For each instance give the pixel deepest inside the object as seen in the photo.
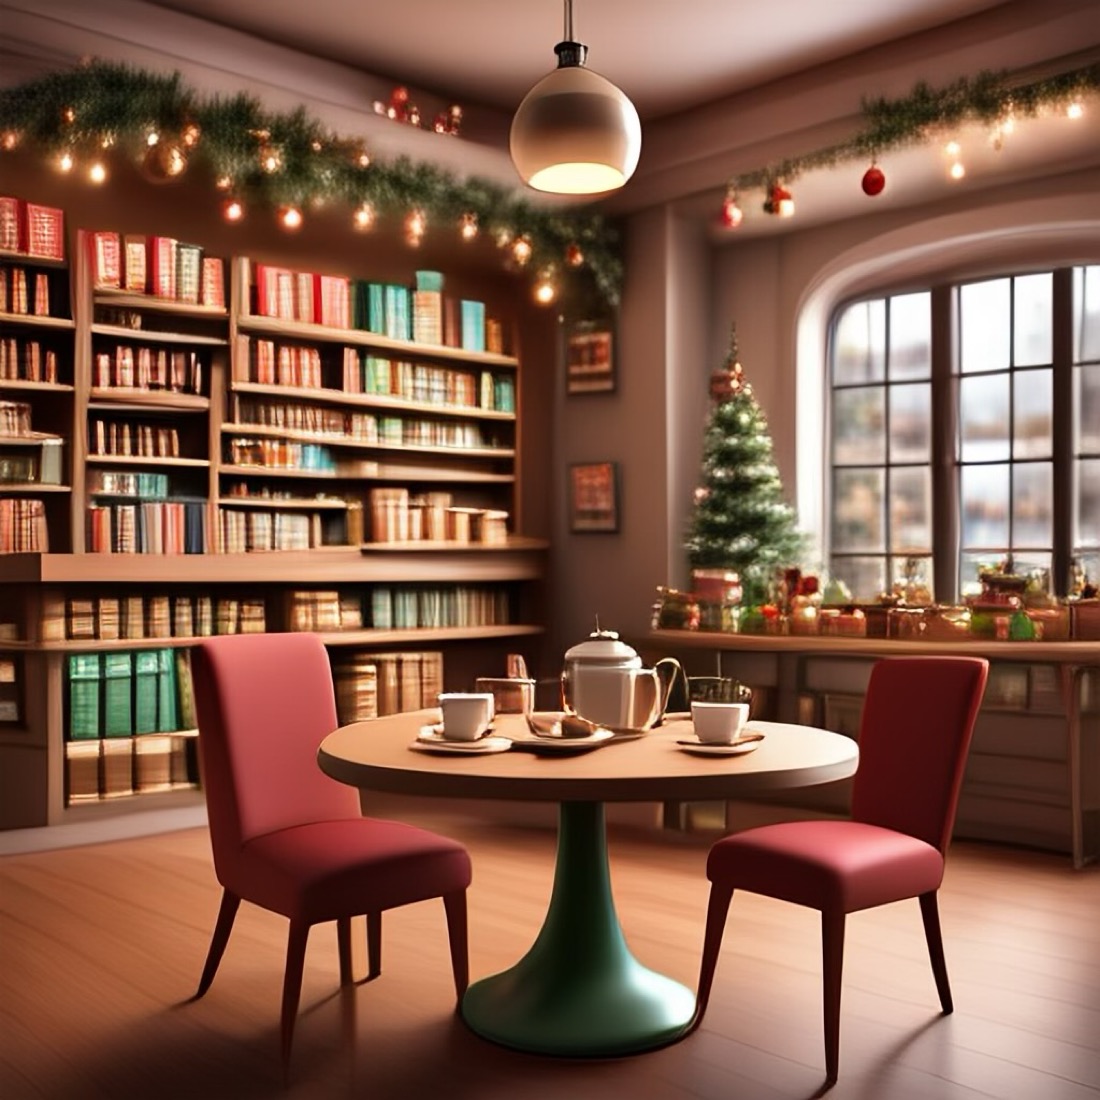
(232, 210)
(1075, 110)
(953, 150)
(545, 289)
(65, 162)
(152, 138)
(732, 214)
(271, 159)
(364, 216)
(468, 227)
(97, 173)
(9, 141)
(521, 250)
(290, 217)
(957, 170)
(416, 225)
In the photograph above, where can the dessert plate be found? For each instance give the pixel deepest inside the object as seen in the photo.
(552, 745)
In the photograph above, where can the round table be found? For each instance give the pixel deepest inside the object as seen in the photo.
(579, 991)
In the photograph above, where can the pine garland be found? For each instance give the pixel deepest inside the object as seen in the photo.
(988, 98)
(105, 106)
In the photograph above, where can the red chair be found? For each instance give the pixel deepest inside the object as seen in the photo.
(284, 835)
(918, 718)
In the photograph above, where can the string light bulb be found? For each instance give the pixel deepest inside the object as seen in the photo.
(521, 250)
(957, 170)
(545, 289)
(271, 159)
(233, 210)
(364, 216)
(1075, 110)
(468, 227)
(9, 141)
(65, 162)
(416, 225)
(98, 172)
(290, 217)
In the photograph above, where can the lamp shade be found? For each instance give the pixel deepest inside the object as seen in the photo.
(575, 133)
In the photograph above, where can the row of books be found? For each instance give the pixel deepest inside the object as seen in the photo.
(301, 417)
(27, 361)
(15, 417)
(325, 611)
(407, 608)
(377, 684)
(23, 527)
(280, 454)
(121, 437)
(302, 296)
(148, 368)
(38, 462)
(128, 484)
(159, 266)
(18, 294)
(152, 615)
(9, 691)
(118, 767)
(274, 364)
(398, 516)
(122, 693)
(148, 527)
(32, 229)
(244, 532)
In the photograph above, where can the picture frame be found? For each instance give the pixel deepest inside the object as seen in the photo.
(594, 497)
(590, 356)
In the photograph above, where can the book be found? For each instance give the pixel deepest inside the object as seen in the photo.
(135, 263)
(213, 282)
(43, 232)
(10, 221)
(146, 688)
(106, 259)
(117, 760)
(153, 762)
(118, 720)
(83, 676)
(188, 273)
(167, 692)
(82, 759)
(162, 267)
(472, 315)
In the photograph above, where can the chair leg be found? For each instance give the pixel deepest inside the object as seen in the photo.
(929, 910)
(292, 984)
(343, 949)
(455, 905)
(374, 945)
(226, 914)
(717, 909)
(832, 951)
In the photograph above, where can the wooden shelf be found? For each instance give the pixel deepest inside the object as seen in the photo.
(299, 330)
(429, 635)
(267, 503)
(27, 439)
(33, 320)
(106, 296)
(369, 401)
(36, 387)
(328, 565)
(115, 397)
(145, 460)
(429, 546)
(350, 441)
(37, 261)
(32, 487)
(154, 336)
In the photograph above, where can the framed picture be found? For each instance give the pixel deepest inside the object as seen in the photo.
(594, 497)
(589, 357)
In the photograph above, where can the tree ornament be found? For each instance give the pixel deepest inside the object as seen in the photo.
(732, 214)
(397, 108)
(449, 121)
(163, 162)
(730, 379)
(574, 257)
(190, 134)
(779, 201)
(874, 180)
(271, 158)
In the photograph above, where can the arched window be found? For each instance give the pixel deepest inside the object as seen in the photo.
(964, 428)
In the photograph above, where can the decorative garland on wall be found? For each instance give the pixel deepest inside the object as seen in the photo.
(994, 99)
(289, 162)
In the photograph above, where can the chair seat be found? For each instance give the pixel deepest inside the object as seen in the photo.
(845, 865)
(324, 870)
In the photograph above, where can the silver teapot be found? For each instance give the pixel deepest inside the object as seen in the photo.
(604, 682)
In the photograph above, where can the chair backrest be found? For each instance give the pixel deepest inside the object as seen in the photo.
(918, 719)
(264, 703)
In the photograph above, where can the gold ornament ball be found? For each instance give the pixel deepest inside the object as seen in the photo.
(163, 162)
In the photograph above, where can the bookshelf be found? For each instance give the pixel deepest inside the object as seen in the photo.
(197, 494)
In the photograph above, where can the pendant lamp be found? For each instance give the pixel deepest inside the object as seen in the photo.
(575, 133)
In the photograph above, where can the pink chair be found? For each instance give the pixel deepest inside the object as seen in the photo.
(284, 835)
(918, 718)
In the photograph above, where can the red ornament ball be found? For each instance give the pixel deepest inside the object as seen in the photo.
(874, 180)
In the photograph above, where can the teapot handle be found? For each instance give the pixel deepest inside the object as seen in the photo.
(669, 684)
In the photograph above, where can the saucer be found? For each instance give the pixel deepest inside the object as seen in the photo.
(701, 748)
(551, 745)
(429, 740)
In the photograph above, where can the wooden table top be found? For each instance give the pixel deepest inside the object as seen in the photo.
(375, 755)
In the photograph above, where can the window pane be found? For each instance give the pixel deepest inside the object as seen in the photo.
(984, 317)
(1086, 314)
(860, 351)
(984, 492)
(865, 577)
(858, 511)
(1087, 403)
(971, 566)
(983, 418)
(911, 423)
(910, 336)
(1088, 504)
(1032, 501)
(1031, 319)
(1034, 410)
(911, 510)
(859, 426)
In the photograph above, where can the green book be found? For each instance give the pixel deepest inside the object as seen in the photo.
(84, 679)
(146, 668)
(118, 719)
(168, 719)
(187, 719)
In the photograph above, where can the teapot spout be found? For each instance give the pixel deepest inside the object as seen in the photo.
(668, 682)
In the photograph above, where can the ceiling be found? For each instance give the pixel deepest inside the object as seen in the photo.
(667, 56)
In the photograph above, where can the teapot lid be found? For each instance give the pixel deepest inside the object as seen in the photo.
(604, 647)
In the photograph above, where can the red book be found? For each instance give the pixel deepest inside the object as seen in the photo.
(106, 260)
(213, 282)
(162, 266)
(44, 232)
(9, 224)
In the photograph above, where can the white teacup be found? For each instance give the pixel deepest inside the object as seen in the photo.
(719, 723)
(466, 714)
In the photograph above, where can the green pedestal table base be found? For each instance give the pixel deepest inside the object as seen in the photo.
(579, 992)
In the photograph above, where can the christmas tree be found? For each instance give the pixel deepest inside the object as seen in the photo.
(741, 520)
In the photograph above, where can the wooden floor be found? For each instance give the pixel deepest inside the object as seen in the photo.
(101, 947)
